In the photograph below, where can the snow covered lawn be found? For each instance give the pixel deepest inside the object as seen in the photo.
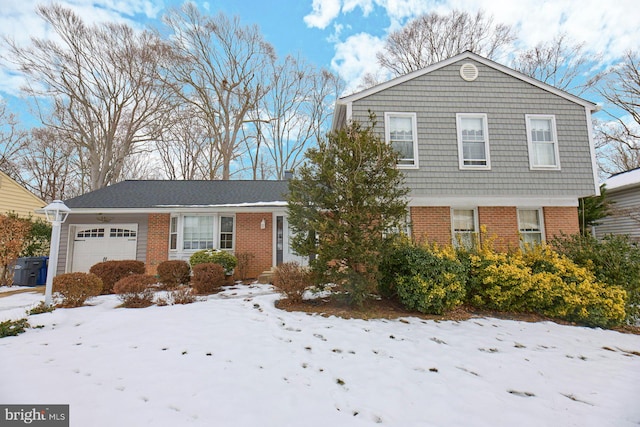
(236, 360)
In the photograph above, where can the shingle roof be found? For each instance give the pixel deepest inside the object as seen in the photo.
(154, 194)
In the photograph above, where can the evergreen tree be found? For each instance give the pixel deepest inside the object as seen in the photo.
(591, 209)
(342, 201)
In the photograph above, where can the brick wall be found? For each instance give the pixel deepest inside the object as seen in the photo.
(559, 220)
(501, 223)
(157, 241)
(431, 224)
(251, 239)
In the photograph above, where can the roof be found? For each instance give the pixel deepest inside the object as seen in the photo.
(150, 194)
(623, 180)
(340, 113)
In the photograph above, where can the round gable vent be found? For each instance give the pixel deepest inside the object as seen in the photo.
(469, 72)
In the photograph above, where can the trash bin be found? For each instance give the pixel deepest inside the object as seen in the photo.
(30, 271)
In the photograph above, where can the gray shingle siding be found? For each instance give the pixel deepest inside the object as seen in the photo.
(625, 215)
(437, 96)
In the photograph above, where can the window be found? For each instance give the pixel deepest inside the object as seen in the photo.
(401, 132)
(226, 232)
(465, 227)
(198, 232)
(173, 233)
(94, 232)
(542, 141)
(122, 232)
(530, 226)
(473, 141)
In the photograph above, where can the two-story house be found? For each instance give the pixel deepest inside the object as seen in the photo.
(483, 145)
(480, 145)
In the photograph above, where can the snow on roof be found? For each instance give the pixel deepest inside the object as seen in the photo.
(623, 179)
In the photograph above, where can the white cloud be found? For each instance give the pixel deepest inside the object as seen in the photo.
(355, 57)
(324, 11)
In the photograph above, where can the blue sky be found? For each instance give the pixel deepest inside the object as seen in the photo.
(344, 35)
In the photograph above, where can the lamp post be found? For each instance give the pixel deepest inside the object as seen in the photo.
(56, 213)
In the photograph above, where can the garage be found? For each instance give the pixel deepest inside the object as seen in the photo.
(92, 244)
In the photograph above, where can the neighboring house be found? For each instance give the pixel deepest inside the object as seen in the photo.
(15, 198)
(623, 191)
(480, 144)
(153, 221)
(483, 145)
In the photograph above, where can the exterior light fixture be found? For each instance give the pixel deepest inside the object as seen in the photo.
(56, 213)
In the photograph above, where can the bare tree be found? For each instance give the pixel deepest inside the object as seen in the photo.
(557, 62)
(49, 166)
(12, 141)
(216, 69)
(620, 138)
(102, 82)
(185, 148)
(432, 37)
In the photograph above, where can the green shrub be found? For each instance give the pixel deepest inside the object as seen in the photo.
(224, 258)
(207, 278)
(425, 279)
(112, 271)
(292, 279)
(76, 288)
(41, 308)
(174, 273)
(136, 290)
(11, 328)
(615, 260)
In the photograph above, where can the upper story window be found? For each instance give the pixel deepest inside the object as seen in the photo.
(473, 141)
(464, 224)
(401, 132)
(543, 142)
(530, 226)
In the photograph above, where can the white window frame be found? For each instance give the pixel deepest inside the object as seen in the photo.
(523, 232)
(216, 232)
(414, 130)
(174, 220)
(485, 130)
(476, 226)
(554, 135)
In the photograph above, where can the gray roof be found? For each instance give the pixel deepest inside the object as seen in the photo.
(154, 194)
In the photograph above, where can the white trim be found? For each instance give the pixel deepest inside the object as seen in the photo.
(592, 150)
(554, 134)
(466, 55)
(466, 201)
(242, 208)
(485, 130)
(414, 129)
(349, 113)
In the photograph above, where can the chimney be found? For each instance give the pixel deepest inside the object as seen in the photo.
(288, 175)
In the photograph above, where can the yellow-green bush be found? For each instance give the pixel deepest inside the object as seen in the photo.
(542, 281)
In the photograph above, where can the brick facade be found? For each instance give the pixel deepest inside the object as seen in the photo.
(253, 240)
(560, 219)
(432, 224)
(501, 223)
(157, 241)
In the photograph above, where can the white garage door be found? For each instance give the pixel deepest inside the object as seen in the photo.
(96, 243)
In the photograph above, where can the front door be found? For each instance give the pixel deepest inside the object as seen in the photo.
(284, 253)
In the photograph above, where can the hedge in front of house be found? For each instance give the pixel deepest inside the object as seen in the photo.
(112, 271)
(76, 288)
(136, 290)
(174, 273)
(207, 278)
(540, 280)
(224, 258)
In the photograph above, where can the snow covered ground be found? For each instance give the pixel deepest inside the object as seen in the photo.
(236, 360)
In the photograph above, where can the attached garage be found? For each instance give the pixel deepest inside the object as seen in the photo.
(94, 243)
